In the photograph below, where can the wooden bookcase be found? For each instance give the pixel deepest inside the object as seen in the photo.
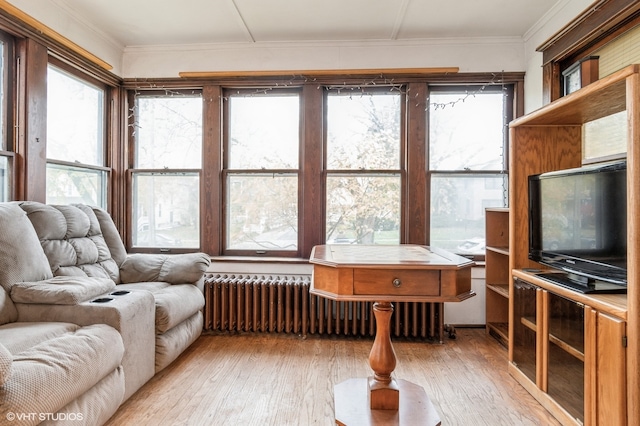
(551, 139)
(497, 273)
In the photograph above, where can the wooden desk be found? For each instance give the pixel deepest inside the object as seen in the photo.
(384, 274)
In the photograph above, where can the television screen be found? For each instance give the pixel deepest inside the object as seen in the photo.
(578, 223)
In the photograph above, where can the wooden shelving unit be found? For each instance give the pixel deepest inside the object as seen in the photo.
(551, 139)
(497, 273)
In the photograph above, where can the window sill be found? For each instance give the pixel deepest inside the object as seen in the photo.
(260, 259)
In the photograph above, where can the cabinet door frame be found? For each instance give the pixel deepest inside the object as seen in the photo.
(605, 391)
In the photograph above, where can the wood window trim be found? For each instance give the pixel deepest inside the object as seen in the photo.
(131, 174)
(9, 108)
(513, 91)
(289, 80)
(225, 171)
(414, 225)
(110, 137)
(415, 212)
(126, 159)
(603, 21)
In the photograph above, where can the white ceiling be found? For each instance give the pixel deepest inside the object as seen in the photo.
(185, 22)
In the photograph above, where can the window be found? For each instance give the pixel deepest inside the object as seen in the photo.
(6, 142)
(467, 164)
(282, 168)
(261, 172)
(166, 173)
(364, 178)
(4, 178)
(75, 140)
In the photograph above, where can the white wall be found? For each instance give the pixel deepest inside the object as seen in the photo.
(495, 54)
(65, 23)
(470, 312)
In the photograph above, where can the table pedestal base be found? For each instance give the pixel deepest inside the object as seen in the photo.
(351, 400)
(383, 396)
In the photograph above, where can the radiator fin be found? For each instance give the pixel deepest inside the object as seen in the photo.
(283, 304)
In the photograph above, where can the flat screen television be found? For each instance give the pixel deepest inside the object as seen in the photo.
(578, 225)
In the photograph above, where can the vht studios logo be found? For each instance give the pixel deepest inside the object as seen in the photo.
(41, 417)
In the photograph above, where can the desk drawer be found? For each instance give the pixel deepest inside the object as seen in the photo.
(393, 281)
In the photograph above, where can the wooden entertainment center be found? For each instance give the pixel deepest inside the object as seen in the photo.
(596, 352)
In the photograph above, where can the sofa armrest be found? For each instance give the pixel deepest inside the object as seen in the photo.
(63, 290)
(186, 268)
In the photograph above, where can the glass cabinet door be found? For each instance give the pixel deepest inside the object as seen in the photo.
(524, 328)
(565, 374)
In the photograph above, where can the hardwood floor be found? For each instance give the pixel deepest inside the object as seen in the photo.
(280, 379)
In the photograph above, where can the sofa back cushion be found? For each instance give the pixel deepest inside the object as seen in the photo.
(21, 256)
(72, 240)
(111, 235)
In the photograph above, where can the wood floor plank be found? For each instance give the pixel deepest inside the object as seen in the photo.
(281, 379)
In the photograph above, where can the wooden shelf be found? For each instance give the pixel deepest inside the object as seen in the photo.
(500, 330)
(566, 341)
(567, 347)
(502, 289)
(500, 250)
(530, 323)
(612, 304)
(497, 273)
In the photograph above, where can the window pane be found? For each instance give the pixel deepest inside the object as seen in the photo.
(363, 132)
(262, 212)
(3, 100)
(457, 209)
(71, 185)
(4, 179)
(264, 132)
(363, 209)
(169, 132)
(466, 133)
(75, 119)
(166, 210)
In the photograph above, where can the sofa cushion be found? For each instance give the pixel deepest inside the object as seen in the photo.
(151, 287)
(61, 290)
(5, 364)
(50, 375)
(111, 235)
(20, 336)
(21, 256)
(96, 405)
(170, 345)
(175, 304)
(72, 240)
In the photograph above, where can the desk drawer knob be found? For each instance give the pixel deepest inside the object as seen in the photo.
(396, 282)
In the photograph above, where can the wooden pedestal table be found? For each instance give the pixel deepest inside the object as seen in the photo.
(386, 274)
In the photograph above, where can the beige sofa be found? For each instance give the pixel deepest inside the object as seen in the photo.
(79, 240)
(73, 269)
(50, 370)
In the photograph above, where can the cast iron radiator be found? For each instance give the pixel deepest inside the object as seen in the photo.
(283, 304)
